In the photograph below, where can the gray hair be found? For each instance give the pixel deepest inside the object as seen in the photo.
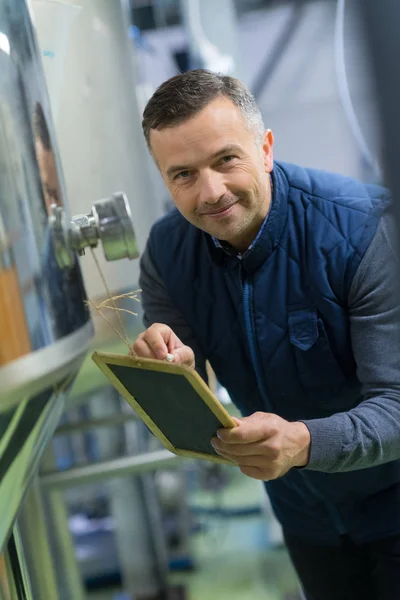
(183, 96)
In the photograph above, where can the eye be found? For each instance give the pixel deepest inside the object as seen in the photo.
(227, 159)
(182, 175)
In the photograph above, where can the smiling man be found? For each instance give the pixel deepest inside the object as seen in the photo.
(231, 199)
(285, 279)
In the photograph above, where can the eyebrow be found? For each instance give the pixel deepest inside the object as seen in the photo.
(229, 149)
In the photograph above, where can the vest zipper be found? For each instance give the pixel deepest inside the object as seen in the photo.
(247, 286)
(249, 325)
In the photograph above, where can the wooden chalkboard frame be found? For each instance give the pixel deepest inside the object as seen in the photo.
(102, 360)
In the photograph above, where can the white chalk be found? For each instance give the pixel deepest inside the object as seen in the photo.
(170, 358)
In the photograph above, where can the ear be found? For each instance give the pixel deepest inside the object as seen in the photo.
(268, 150)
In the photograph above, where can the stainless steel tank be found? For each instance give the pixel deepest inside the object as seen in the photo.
(45, 324)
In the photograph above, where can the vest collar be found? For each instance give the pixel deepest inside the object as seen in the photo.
(269, 235)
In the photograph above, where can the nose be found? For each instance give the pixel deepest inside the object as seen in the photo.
(212, 187)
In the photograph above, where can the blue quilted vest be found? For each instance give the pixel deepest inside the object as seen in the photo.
(275, 328)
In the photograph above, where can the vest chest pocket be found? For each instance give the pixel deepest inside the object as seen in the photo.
(316, 364)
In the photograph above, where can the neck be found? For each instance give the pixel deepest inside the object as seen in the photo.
(246, 239)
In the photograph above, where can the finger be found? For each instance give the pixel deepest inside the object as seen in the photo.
(244, 461)
(250, 429)
(251, 449)
(142, 349)
(258, 427)
(158, 337)
(183, 356)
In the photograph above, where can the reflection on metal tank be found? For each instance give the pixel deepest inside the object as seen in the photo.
(45, 326)
(105, 149)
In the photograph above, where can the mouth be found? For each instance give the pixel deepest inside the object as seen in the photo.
(222, 212)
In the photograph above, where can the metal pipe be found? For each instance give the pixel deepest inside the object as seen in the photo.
(22, 563)
(345, 94)
(381, 20)
(211, 34)
(11, 566)
(273, 57)
(15, 581)
(68, 574)
(118, 467)
(72, 587)
(81, 426)
(35, 542)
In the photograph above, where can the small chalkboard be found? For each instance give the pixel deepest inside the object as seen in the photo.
(173, 401)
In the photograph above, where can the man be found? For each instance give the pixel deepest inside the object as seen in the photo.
(284, 278)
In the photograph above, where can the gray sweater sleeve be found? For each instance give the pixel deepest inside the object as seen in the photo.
(159, 308)
(369, 434)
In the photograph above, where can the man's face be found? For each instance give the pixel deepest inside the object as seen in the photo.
(217, 172)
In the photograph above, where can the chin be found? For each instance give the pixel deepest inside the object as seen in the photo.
(223, 233)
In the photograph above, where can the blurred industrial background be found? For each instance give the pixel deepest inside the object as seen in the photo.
(125, 519)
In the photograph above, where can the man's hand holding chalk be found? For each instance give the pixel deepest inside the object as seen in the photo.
(160, 342)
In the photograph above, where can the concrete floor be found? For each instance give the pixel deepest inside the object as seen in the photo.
(235, 563)
(234, 557)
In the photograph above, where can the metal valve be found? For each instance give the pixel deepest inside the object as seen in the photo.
(109, 221)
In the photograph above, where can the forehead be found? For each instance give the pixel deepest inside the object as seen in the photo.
(219, 124)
